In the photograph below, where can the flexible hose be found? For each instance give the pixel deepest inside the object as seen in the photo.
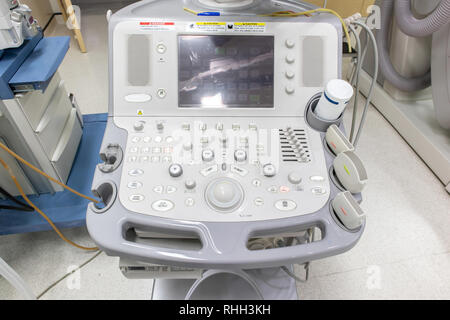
(386, 67)
(22, 193)
(15, 280)
(25, 162)
(421, 27)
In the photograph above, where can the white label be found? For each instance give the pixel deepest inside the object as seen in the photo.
(207, 26)
(247, 27)
(157, 25)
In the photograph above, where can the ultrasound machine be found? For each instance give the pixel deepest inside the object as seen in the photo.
(214, 163)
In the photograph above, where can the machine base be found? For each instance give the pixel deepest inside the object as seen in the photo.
(273, 283)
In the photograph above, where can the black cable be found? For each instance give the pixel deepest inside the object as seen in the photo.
(22, 205)
(50, 20)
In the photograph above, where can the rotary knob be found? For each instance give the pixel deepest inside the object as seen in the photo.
(295, 178)
(175, 170)
(240, 155)
(208, 155)
(190, 184)
(224, 194)
(139, 126)
(269, 170)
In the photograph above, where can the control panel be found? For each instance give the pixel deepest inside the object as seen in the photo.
(223, 169)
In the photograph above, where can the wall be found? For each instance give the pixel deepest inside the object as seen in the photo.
(346, 7)
(42, 10)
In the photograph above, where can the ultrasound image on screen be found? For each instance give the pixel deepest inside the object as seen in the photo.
(226, 71)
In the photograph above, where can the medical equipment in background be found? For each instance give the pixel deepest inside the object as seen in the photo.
(39, 120)
(16, 24)
(413, 90)
(214, 159)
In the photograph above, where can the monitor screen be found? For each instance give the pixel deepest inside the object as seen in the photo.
(226, 71)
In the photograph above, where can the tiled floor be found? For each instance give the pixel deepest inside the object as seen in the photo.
(403, 254)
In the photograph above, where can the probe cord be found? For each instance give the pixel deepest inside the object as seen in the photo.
(22, 193)
(22, 206)
(12, 153)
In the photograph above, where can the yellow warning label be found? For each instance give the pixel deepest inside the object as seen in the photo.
(249, 27)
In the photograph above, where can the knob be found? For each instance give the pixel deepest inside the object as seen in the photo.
(160, 126)
(175, 170)
(208, 155)
(295, 178)
(269, 170)
(190, 184)
(240, 155)
(223, 139)
(219, 126)
(290, 43)
(224, 194)
(290, 58)
(290, 89)
(290, 74)
(139, 126)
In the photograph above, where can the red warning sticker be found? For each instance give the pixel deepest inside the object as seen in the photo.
(157, 25)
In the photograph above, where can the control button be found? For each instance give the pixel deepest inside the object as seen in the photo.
(135, 172)
(319, 191)
(132, 159)
(290, 58)
(204, 140)
(273, 189)
(168, 150)
(253, 126)
(158, 189)
(139, 126)
(236, 127)
(208, 155)
(186, 126)
(290, 74)
(175, 170)
(189, 202)
(224, 167)
(137, 198)
(224, 194)
(135, 139)
(295, 177)
(147, 139)
(285, 205)
(171, 189)
(156, 150)
(209, 170)
(238, 170)
(240, 155)
(269, 170)
(290, 43)
(190, 184)
(162, 205)
(256, 183)
(145, 150)
(284, 189)
(290, 89)
(135, 185)
(167, 159)
(317, 178)
(223, 139)
(187, 146)
(203, 126)
(161, 93)
(156, 159)
(219, 126)
(158, 139)
(160, 126)
(138, 98)
(259, 202)
(144, 159)
(161, 48)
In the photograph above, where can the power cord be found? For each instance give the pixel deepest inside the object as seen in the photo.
(22, 206)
